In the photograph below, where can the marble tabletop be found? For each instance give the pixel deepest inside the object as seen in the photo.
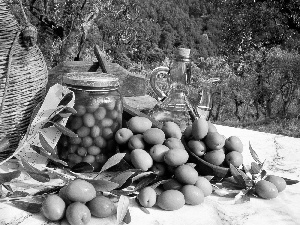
(282, 157)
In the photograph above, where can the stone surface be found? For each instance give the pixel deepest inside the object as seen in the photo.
(281, 155)
(141, 103)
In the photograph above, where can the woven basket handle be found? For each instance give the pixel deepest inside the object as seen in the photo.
(29, 33)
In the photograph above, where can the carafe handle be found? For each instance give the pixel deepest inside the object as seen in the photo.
(162, 70)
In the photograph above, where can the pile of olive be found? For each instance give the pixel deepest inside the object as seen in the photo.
(96, 121)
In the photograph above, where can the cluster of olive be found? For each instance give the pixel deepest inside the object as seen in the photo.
(96, 121)
(206, 142)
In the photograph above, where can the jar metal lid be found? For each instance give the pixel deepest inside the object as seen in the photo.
(91, 79)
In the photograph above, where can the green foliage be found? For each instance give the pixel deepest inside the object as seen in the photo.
(252, 46)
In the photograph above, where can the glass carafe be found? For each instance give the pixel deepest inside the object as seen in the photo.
(172, 105)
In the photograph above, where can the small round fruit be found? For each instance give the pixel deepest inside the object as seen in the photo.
(172, 184)
(53, 207)
(74, 158)
(141, 159)
(62, 193)
(187, 133)
(176, 157)
(186, 174)
(173, 143)
(110, 105)
(81, 151)
(106, 122)
(197, 147)
(147, 197)
(89, 159)
(100, 113)
(76, 122)
(211, 127)
(279, 182)
(92, 105)
(204, 185)
(199, 128)
(214, 140)
(171, 129)
(136, 141)
(95, 131)
(87, 141)
(158, 152)
(154, 136)
(170, 200)
(78, 213)
(215, 157)
(83, 131)
(101, 207)
(123, 135)
(100, 142)
(94, 150)
(80, 109)
(234, 158)
(107, 133)
(192, 194)
(266, 189)
(139, 124)
(75, 140)
(88, 120)
(80, 190)
(233, 143)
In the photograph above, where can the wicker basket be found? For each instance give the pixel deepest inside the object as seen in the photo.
(23, 80)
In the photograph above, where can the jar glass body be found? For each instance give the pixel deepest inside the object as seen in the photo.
(98, 117)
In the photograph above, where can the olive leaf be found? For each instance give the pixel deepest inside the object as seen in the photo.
(7, 187)
(46, 145)
(255, 168)
(68, 110)
(231, 183)
(263, 173)
(141, 174)
(55, 119)
(41, 177)
(66, 99)
(237, 175)
(290, 182)
(248, 181)
(27, 206)
(34, 172)
(242, 197)
(155, 185)
(82, 167)
(35, 111)
(16, 194)
(64, 130)
(122, 192)
(254, 155)
(122, 177)
(145, 210)
(103, 185)
(115, 159)
(48, 190)
(127, 217)
(7, 177)
(41, 151)
(122, 208)
(146, 182)
(223, 192)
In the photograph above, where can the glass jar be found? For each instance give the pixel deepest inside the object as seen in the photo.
(173, 103)
(99, 115)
